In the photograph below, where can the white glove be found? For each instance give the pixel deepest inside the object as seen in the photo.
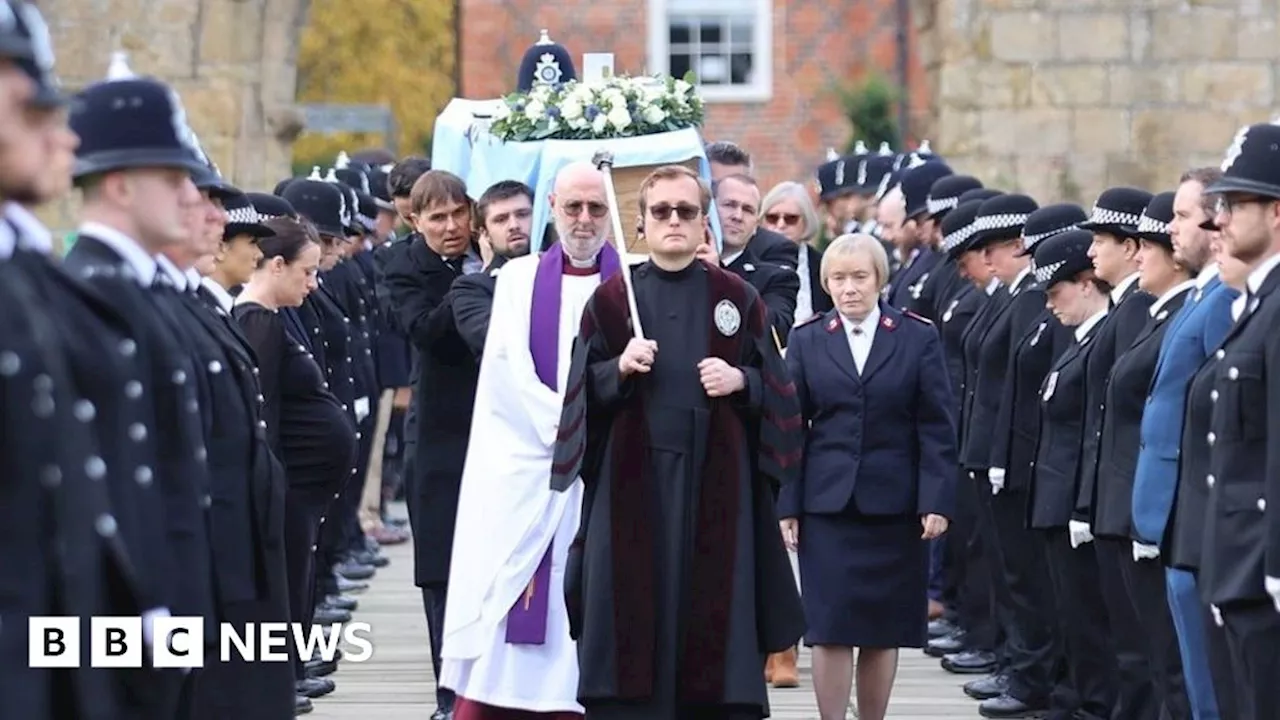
(1273, 589)
(996, 477)
(1217, 615)
(1080, 533)
(1142, 551)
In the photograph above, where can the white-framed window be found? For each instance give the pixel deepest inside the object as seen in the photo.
(728, 44)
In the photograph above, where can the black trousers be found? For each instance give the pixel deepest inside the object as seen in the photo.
(967, 573)
(1032, 645)
(1253, 638)
(1148, 594)
(1221, 668)
(1135, 685)
(433, 601)
(1082, 625)
(987, 557)
(303, 509)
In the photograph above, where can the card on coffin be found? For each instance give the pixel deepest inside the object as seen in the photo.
(457, 128)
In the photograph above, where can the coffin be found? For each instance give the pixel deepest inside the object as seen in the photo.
(463, 145)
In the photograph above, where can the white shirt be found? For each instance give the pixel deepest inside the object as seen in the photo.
(1014, 286)
(1237, 306)
(219, 293)
(1169, 295)
(142, 264)
(167, 267)
(1083, 328)
(8, 242)
(804, 298)
(1247, 301)
(860, 342)
(193, 279)
(991, 286)
(33, 235)
(1117, 292)
(1206, 275)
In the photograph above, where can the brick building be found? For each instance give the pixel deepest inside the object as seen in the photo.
(768, 67)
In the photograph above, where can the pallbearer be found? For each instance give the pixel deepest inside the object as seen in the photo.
(697, 422)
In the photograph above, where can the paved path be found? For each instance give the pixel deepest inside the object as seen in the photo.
(396, 683)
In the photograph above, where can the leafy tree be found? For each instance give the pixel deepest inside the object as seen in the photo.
(398, 53)
(871, 108)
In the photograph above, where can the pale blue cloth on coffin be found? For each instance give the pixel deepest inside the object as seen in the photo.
(463, 146)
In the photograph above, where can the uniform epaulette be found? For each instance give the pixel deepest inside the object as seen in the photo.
(802, 323)
(920, 318)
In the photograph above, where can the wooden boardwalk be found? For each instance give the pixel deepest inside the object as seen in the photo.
(396, 683)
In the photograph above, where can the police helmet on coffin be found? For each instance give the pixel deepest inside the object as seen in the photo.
(545, 63)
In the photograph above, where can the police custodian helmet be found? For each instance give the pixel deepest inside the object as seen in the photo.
(128, 122)
(545, 63)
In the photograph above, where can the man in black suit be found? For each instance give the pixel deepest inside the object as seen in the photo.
(505, 212)
(728, 159)
(418, 280)
(738, 204)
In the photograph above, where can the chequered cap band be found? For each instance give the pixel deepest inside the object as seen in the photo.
(244, 216)
(1043, 274)
(264, 218)
(1151, 225)
(1029, 241)
(936, 206)
(1104, 216)
(1003, 221)
(957, 238)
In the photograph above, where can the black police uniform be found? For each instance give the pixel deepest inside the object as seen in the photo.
(1117, 211)
(942, 283)
(778, 287)
(1242, 537)
(907, 284)
(1079, 610)
(122, 124)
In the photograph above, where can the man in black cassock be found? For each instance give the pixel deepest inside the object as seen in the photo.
(678, 585)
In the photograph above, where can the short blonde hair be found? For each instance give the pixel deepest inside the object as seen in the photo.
(674, 172)
(852, 244)
(794, 191)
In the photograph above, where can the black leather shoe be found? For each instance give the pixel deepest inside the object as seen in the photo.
(1008, 707)
(342, 602)
(969, 662)
(353, 570)
(346, 585)
(442, 715)
(319, 668)
(302, 705)
(945, 645)
(326, 615)
(988, 687)
(941, 628)
(315, 687)
(371, 558)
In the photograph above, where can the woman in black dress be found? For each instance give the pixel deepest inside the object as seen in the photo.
(307, 426)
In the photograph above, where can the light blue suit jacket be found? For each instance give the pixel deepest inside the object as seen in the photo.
(1196, 332)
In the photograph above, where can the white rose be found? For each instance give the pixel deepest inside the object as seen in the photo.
(534, 110)
(653, 114)
(598, 125)
(570, 109)
(619, 117)
(682, 87)
(502, 112)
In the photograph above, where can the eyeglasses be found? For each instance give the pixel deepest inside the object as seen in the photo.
(1225, 204)
(573, 208)
(662, 212)
(788, 219)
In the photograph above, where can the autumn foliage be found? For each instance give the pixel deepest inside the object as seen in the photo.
(398, 53)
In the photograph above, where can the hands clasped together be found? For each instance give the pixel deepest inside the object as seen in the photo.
(719, 378)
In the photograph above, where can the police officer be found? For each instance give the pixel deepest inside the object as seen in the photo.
(134, 166)
(917, 234)
(1241, 570)
(943, 281)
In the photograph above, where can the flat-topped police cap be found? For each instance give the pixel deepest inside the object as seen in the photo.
(1117, 211)
(39, 66)
(945, 193)
(1049, 221)
(272, 207)
(545, 63)
(957, 228)
(1002, 218)
(1062, 257)
(15, 43)
(243, 218)
(1252, 163)
(1153, 226)
(209, 179)
(917, 181)
(323, 203)
(127, 122)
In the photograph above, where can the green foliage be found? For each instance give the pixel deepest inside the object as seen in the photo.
(871, 108)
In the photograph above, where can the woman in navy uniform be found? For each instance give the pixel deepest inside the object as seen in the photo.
(306, 424)
(1162, 691)
(878, 477)
(1078, 300)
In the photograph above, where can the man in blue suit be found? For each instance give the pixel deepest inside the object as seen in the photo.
(1196, 332)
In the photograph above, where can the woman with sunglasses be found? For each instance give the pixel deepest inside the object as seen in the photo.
(788, 210)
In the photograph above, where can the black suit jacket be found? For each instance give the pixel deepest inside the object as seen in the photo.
(472, 300)
(991, 360)
(820, 299)
(777, 287)
(975, 452)
(907, 284)
(418, 282)
(773, 248)
(940, 285)
(1116, 334)
(1242, 536)
(392, 352)
(1018, 430)
(1018, 323)
(1126, 399)
(952, 322)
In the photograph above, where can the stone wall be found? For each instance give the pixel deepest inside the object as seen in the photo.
(1063, 98)
(232, 61)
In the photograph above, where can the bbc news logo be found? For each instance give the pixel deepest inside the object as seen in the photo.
(178, 642)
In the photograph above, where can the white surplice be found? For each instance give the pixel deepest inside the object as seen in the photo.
(508, 514)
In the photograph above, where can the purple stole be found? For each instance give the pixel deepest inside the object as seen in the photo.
(527, 619)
